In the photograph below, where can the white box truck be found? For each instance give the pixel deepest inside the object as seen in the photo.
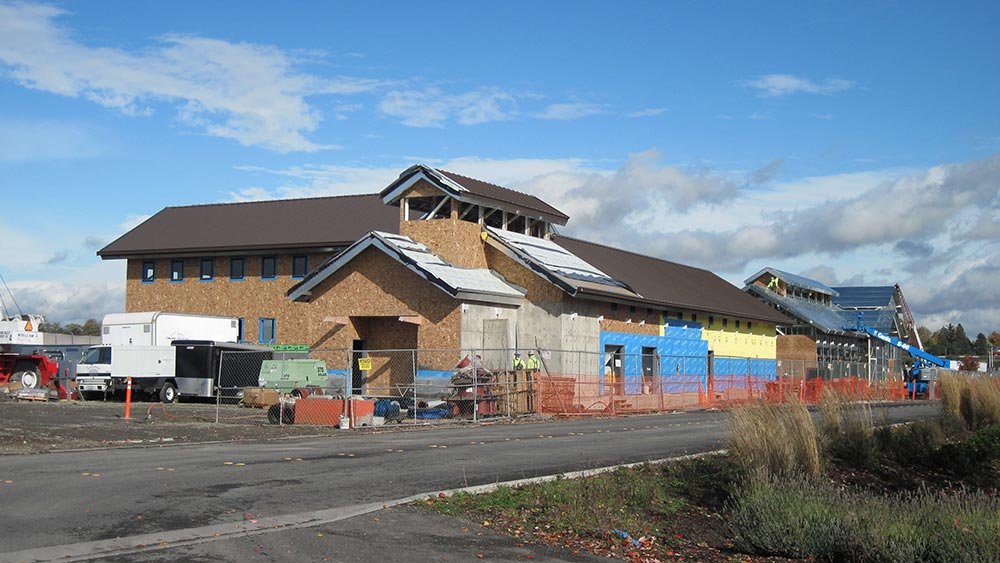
(143, 342)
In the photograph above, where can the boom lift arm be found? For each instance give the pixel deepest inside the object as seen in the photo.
(912, 350)
(916, 384)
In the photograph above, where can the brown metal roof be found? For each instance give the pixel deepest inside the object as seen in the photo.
(257, 225)
(672, 284)
(462, 187)
(494, 192)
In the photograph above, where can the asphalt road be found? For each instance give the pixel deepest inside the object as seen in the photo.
(71, 504)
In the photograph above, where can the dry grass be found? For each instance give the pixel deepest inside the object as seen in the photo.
(776, 441)
(973, 399)
(847, 428)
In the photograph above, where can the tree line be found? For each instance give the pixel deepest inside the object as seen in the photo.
(952, 341)
(89, 328)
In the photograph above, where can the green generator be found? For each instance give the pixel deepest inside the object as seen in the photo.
(286, 375)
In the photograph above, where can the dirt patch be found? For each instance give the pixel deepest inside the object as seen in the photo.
(31, 427)
(37, 427)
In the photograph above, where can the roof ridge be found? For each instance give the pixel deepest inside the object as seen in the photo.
(489, 183)
(616, 249)
(258, 201)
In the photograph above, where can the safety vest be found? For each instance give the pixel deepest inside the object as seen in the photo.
(518, 363)
(532, 362)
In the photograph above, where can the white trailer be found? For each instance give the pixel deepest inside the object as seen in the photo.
(145, 340)
(157, 328)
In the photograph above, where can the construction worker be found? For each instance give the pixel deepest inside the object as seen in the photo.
(773, 284)
(532, 364)
(517, 363)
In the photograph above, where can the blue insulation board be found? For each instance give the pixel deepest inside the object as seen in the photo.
(683, 358)
(730, 373)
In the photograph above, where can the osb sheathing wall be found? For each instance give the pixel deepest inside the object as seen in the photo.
(796, 347)
(373, 285)
(252, 298)
(457, 242)
(540, 291)
(422, 188)
(619, 320)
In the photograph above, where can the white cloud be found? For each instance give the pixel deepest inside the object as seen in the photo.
(433, 108)
(250, 93)
(776, 85)
(570, 110)
(648, 112)
(69, 302)
(315, 181)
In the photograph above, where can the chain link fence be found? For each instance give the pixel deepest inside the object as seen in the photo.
(352, 388)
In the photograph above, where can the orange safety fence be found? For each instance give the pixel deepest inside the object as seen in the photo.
(590, 395)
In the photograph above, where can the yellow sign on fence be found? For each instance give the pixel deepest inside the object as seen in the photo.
(365, 364)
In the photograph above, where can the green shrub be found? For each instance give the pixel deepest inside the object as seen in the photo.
(974, 455)
(786, 520)
(916, 441)
(847, 429)
(801, 519)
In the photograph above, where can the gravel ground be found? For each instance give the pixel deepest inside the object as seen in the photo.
(35, 427)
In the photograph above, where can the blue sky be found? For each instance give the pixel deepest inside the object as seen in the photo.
(856, 143)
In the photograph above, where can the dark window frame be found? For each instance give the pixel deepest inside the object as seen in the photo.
(211, 269)
(274, 267)
(150, 266)
(305, 266)
(260, 330)
(243, 268)
(173, 269)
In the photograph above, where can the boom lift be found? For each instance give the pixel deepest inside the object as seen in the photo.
(920, 373)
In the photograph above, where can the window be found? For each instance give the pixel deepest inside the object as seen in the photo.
(300, 265)
(725, 323)
(239, 332)
(694, 318)
(207, 272)
(266, 334)
(710, 321)
(737, 324)
(237, 268)
(268, 268)
(176, 270)
(148, 272)
(680, 316)
(614, 306)
(749, 325)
